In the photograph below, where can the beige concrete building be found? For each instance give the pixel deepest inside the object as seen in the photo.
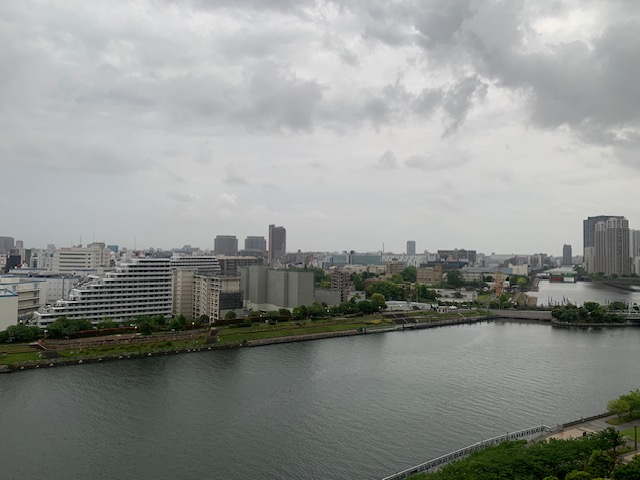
(429, 275)
(183, 284)
(216, 295)
(94, 256)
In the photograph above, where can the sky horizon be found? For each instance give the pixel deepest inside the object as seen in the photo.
(495, 126)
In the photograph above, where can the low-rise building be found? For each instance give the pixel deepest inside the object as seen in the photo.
(32, 294)
(8, 308)
(429, 275)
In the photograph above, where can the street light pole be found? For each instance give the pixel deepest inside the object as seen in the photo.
(635, 436)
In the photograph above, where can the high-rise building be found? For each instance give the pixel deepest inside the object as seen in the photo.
(277, 244)
(589, 241)
(255, 244)
(567, 256)
(411, 247)
(6, 244)
(612, 254)
(634, 243)
(225, 245)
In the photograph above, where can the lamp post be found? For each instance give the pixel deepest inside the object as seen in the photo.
(635, 436)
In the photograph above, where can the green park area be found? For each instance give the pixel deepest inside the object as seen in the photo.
(150, 337)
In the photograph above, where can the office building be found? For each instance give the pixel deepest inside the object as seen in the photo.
(255, 244)
(225, 245)
(93, 257)
(411, 247)
(458, 255)
(612, 253)
(138, 288)
(567, 256)
(6, 244)
(277, 244)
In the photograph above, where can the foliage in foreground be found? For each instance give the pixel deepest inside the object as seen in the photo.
(587, 457)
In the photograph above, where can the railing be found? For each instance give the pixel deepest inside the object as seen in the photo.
(463, 452)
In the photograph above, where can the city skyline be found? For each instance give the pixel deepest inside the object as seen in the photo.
(494, 126)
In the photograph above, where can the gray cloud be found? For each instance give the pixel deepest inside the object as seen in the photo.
(435, 163)
(387, 161)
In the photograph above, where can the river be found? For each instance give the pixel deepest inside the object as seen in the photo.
(580, 292)
(348, 408)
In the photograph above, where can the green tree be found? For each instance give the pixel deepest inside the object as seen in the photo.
(316, 310)
(285, 313)
(377, 299)
(230, 315)
(633, 399)
(300, 312)
(358, 281)
(455, 279)
(630, 471)
(612, 437)
(618, 406)
(577, 475)
(366, 307)
(21, 333)
(409, 274)
(145, 328)
(600, 464)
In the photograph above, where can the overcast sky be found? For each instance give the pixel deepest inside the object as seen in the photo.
(488, 125)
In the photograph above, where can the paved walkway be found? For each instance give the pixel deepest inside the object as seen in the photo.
(598, 425)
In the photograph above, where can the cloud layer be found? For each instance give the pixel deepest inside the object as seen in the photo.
(219, 117)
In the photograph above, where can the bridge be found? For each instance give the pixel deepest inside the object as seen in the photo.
(463, 452)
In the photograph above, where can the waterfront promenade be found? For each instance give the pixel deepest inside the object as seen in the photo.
(574, 429)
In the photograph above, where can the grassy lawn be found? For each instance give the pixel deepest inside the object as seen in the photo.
(134, 348)
(629, 433)
(11, 358)
(623, 419)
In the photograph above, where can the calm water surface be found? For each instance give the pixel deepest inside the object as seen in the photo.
(580, 292)
(350, 408)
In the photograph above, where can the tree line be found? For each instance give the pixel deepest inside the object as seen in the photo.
(589, 312)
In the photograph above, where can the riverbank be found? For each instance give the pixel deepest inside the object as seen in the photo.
(124, 347)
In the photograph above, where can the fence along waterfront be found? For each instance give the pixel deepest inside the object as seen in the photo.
(463, 452)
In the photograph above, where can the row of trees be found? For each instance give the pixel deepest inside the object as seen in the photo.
(589, 312)
(629, 404)
(585, 458)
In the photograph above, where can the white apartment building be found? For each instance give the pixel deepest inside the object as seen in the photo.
(32, 294)
(137, 288)
(94, 256)
(8, 308)
(201, 263)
